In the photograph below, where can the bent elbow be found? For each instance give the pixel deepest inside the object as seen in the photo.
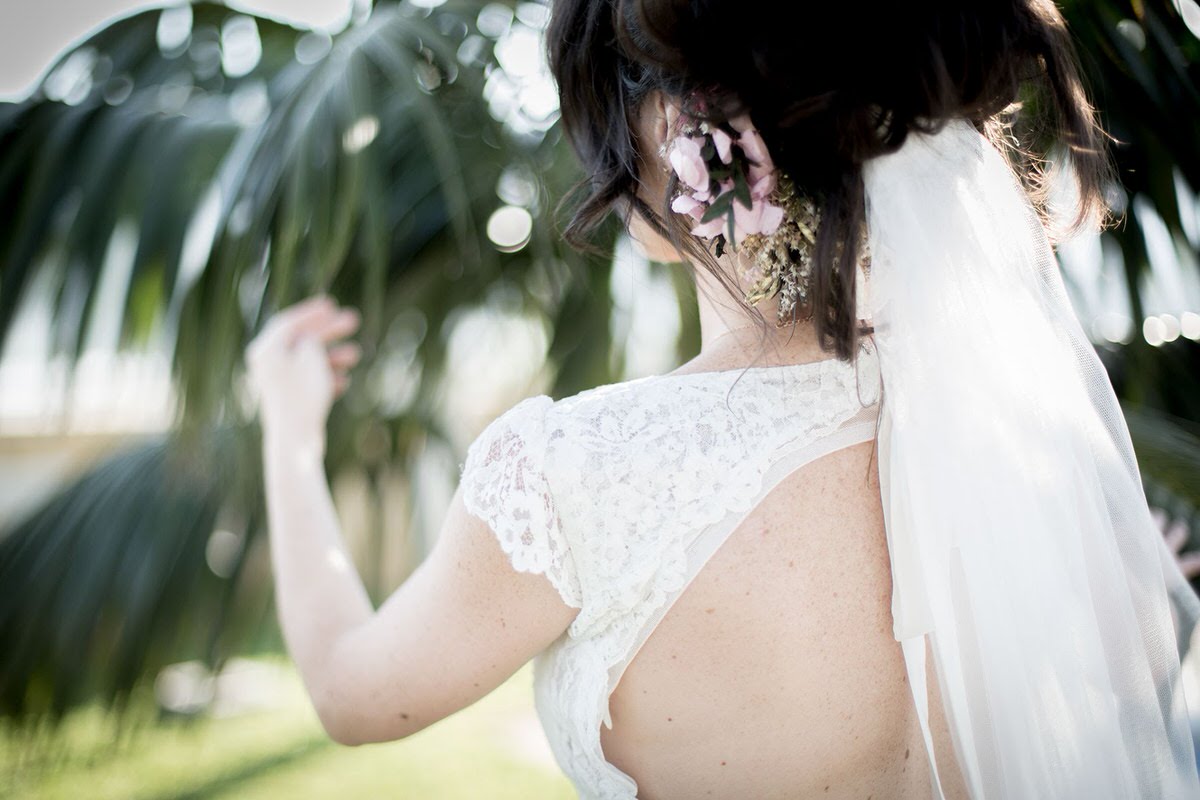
(345, 738)
(337, 717)
(338, 729)
(355, 730)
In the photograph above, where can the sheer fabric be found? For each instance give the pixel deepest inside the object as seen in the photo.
(507, 486)
(1021, 541)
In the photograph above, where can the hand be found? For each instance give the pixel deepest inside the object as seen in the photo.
(297, 370)
(1177, 535)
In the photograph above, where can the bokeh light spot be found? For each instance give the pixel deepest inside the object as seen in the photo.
(509, 228)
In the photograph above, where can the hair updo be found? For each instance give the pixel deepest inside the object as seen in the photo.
(829, 85)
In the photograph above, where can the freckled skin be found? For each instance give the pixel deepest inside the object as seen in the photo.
(795, 687)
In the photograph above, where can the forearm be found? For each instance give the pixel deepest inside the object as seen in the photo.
(318, 592)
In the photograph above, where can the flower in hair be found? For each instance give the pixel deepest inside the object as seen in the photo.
(737, 198)
(729, 176)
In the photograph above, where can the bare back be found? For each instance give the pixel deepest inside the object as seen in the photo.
(775, 673)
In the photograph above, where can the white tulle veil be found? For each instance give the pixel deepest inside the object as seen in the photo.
(1022, 546)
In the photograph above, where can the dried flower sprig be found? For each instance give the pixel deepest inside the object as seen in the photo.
(783, 259)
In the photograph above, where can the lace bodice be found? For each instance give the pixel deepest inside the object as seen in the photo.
(619, 494)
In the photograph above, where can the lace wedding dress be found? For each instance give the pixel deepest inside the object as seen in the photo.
(620, 494)
(1022, 551)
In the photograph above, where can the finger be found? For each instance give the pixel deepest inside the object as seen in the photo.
(1175, 542)
(1189, 564)
(341, 382)
(344, 356)
(1160, 517)
(309, 308)
(1176, 535)
(294, 320)
(320, 299)
(328, 326)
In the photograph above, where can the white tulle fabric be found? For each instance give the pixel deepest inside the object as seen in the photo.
(1020, 538)
(630, 477)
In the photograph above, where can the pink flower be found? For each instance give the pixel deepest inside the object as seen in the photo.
(755, 149)
(711, 228)
(723, 142)
(760, 189)
(761, 217)
(772, 218)
(687, 163)
(741, 123)
(757, 173)
(686, 204)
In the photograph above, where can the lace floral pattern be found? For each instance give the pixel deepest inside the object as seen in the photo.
(504, 482)
(638, 469)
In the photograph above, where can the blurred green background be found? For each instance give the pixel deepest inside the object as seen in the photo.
(180, 172)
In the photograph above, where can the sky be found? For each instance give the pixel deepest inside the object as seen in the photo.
(32, 34)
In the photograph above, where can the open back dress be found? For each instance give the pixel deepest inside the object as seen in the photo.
(621, 494)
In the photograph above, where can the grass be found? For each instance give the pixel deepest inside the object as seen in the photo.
(495, 749)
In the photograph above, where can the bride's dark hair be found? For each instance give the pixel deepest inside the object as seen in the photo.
(830, 85)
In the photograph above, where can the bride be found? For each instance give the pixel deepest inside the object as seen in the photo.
(883, 537)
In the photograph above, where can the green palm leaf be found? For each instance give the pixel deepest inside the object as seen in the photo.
(367, 173)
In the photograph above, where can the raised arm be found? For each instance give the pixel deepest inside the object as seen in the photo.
(462, 623)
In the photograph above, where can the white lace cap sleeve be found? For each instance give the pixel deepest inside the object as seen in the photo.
(504, 483)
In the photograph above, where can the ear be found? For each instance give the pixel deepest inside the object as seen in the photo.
(664, 114)
(670, 112)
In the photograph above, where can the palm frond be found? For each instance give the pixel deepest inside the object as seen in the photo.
(367, 173)
(109, 581)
